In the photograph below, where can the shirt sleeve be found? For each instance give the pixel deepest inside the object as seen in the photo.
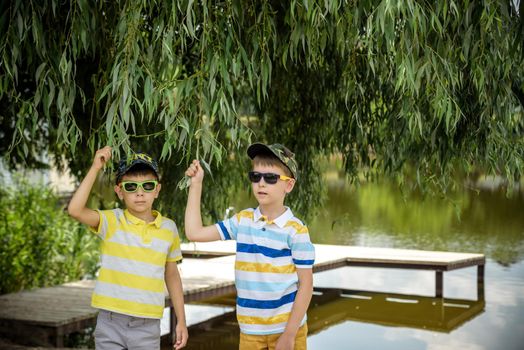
(302, 250)
(175, 253)
(107, 217)
(228, 229)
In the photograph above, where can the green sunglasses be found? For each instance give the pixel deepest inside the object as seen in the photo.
(133, 186)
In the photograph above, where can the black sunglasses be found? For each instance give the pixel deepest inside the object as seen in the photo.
(269, 178)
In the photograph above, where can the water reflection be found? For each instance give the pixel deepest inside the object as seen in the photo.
(499, 326)
(331, 307)
(389, 309)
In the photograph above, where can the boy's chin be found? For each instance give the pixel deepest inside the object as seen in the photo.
(139, 208)
(267, 201)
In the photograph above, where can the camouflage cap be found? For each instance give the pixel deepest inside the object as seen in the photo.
(280, 151)
(136, 158)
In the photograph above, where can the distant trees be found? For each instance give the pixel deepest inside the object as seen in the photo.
(433, 86)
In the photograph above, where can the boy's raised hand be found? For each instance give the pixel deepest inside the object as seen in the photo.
(77, 206)
(102, 156)
(195, 172)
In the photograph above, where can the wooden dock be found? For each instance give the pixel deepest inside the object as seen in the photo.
(46, 315)
(330, 257)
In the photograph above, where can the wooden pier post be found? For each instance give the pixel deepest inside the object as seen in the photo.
(480, 282)
(439, 283)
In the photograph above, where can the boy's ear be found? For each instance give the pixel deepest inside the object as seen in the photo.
(158, 187)
(118, 191)
(290, 185)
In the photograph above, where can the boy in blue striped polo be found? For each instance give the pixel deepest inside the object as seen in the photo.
(274, 254)
(139, 253)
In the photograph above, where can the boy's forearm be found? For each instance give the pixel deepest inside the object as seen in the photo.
(195, 230)
(176, 294)
(81, 195)
(193, 217)
(299, 309)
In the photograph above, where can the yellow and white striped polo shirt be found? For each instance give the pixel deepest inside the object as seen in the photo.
(133, 258)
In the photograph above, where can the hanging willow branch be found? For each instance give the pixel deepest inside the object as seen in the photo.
(388, 85)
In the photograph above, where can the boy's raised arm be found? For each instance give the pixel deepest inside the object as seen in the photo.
(77, 206)
(195, 231)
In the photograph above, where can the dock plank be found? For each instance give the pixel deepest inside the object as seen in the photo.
(326, 253)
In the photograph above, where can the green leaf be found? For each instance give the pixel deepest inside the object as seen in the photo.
(39, 71)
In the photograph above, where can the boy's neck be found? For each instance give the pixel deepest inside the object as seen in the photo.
(272, 211)
(147, 216)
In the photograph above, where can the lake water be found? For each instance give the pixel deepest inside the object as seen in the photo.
(400, 312)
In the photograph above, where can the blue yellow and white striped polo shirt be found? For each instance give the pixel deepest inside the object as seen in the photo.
(268, 254)
(133, 258)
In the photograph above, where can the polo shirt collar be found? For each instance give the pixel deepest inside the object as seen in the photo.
(136, 221)
(280, 221)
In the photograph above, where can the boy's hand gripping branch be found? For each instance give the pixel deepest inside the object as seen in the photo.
(102, 156)
(195, 172)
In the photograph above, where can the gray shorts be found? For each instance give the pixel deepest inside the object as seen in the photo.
(116, 331)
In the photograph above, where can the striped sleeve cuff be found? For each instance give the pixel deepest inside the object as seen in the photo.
(303, 264)
(222, 230)
(175, 259)
(101, 229)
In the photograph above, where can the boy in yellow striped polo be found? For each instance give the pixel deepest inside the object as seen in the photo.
(139, 253)
(274, 254)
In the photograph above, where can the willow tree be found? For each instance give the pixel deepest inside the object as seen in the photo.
(433, 86)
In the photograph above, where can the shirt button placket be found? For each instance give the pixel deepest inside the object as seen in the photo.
(146, 238)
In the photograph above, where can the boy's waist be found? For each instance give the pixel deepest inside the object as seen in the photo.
(264, 328)
(129, 319)
(129, 305)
